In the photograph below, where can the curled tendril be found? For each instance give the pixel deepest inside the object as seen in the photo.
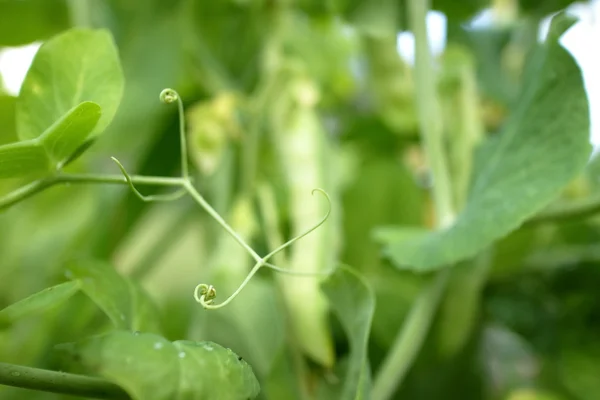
(164, 197)
(205, 294)
(169, 96)
(206, 300)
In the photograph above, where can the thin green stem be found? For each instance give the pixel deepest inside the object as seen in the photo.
(306, 232)
(59, 382)
(183, 140)
(40, 185)
(159, 197)
(119, 179)
(204, 294)
(169, 96)
(206, 302)
(211, 211)
(410, 339)
(430, 118)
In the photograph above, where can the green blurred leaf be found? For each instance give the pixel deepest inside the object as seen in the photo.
(22, 159)
(69, 133)
(76, 66)
(25, 21)
(39, 302)
(579, 369)
(285, 378)
(541, 9)
(533, 394)
(457, 12)
(375, 18)
(508, 360)
(126, 304)
(227, 63)
(149, 367)
(392, 84)
(8, 131)
(354, 304)
(542, 147)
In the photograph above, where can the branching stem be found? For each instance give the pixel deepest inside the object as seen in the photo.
(37, 186)
(203, 293)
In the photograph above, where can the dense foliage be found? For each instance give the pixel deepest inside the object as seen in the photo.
(459, 258)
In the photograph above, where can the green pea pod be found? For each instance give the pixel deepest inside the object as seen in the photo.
(303, 146)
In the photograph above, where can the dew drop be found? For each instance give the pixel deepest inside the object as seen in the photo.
(137, 333)
(158, 345)
(182, 354)
(15, 373)
(207, 347)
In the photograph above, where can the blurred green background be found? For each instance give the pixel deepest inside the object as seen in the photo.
(283, 96)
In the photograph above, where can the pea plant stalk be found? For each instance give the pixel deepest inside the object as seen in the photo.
(59, 382)
(410, 338)
(57, 144)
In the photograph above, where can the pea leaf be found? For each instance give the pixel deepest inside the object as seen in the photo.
(150, 367)
(39, 302)
(26, 21)
(542, 147)
(354, 304)
(77, 66)
(69, 133)
(23, 158)
(122, 300)
(8, 131)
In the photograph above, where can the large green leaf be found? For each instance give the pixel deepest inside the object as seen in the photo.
(122, 300)
(69, 133)
(354, 304)
(8, 132)
(23, 158)
(374, 18)
(542, 147)
(150, 367)
(25, 21)
(39, 302)
(76, 66)
(54, 147)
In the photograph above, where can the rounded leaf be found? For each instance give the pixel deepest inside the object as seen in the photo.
(76, 66)
(149, 367)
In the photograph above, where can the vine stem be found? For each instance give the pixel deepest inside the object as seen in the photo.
(40, 185)
(205, 299)
(59, 382)
(410, 338)
(213, 213)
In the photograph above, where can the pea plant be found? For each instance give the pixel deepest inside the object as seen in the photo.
(46, 155)
(277, 297)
